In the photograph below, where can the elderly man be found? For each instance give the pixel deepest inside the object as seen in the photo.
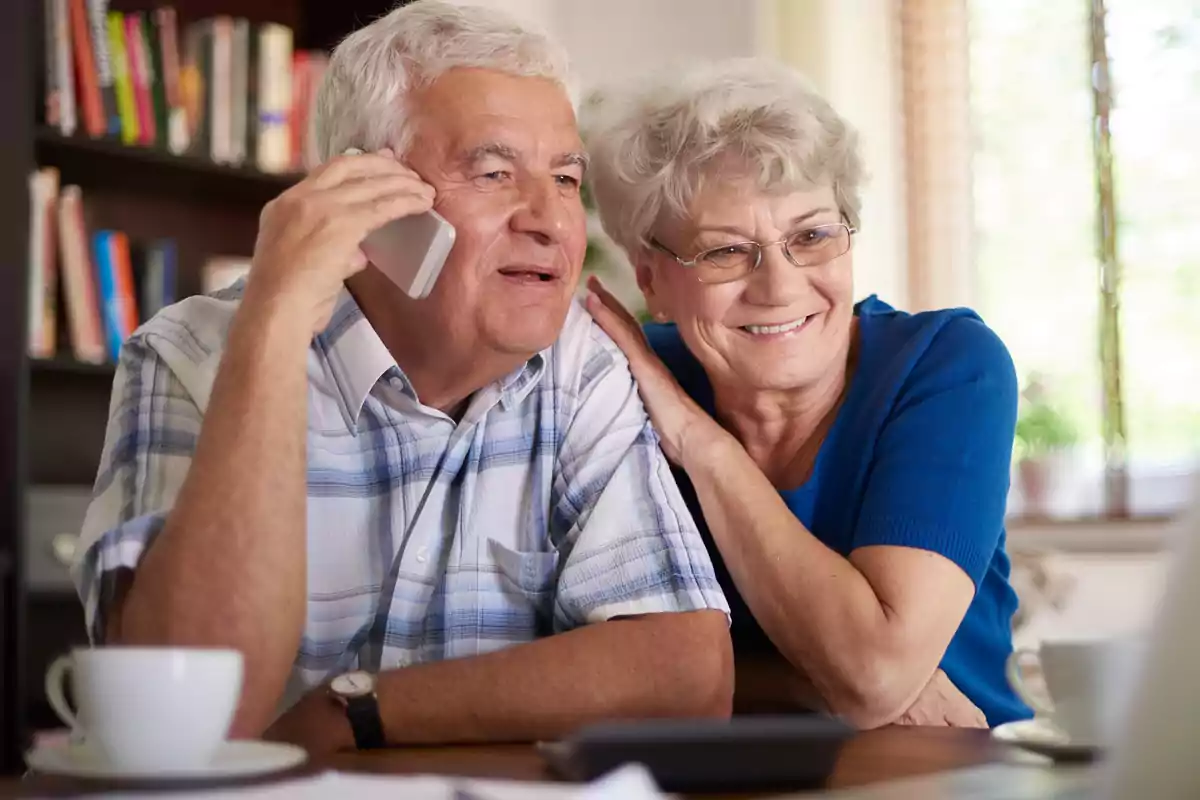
(430, 520)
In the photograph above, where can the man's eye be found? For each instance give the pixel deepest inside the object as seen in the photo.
(497, 175)
(567, 180)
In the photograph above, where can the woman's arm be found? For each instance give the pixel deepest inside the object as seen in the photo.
(868, 630)
(767, 683)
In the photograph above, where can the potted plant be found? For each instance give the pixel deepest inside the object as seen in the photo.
(1043, 434)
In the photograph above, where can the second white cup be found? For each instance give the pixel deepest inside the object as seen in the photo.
(1088, 682)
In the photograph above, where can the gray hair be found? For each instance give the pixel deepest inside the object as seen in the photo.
(654, 146)
(362, 100)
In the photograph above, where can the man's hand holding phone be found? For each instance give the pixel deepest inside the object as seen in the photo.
(309, 236)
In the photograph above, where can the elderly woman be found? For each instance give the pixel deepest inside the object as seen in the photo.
(850, 461)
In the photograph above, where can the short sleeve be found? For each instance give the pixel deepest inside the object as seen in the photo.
(939, 477)
(630, 544)
(151, 435)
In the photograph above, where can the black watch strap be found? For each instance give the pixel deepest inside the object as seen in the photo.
(365, 722)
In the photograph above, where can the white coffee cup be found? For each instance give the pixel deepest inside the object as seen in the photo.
(149, 709)
(1088, 682)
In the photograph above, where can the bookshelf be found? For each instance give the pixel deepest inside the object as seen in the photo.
(100, 162)
(53, 410)
(64, 365)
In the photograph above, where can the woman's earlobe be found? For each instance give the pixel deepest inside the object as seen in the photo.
(645, 280)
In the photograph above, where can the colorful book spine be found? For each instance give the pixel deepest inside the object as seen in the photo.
(167, 29)
(196, 86)
(139, 71)
(152, 44)
(106, 282)
(60, 82)
(273, 150)
(239, 89)
(126, 286)
(79, 280)
(318, 62)
(156, 276)
(115, 279)
(122, 81)
(220, 110)
(90, 101)
(43, 271)
(98, 20)
(298, 115)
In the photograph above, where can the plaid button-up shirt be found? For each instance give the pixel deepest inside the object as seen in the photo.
(547, 506)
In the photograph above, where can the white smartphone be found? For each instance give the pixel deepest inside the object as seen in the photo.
(410, 251)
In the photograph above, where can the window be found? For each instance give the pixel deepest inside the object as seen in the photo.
(1038, 195)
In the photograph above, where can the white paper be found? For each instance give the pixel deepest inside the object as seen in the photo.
(632, 782)
(988, 782)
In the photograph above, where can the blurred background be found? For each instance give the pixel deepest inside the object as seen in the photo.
(1027, 158)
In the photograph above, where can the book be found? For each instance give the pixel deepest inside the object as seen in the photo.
(195, 85)
(60, 83)
(43, 267)
(220, 98)
(239, 90)
(273, 148)
(155, 272)
(152, 44)
(115, 278)
(167, 29)
(122, 80)
(139, 72)
(78, 280)
(110, 311)
(98, 21)
(87, 81)
(307, 156)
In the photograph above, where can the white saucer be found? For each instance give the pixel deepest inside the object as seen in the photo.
(234, 759)
(1044, 738)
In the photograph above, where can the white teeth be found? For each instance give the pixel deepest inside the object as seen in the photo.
(762, 330)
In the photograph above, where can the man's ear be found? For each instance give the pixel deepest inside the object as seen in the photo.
(646, 282)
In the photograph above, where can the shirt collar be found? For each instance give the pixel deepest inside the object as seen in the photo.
(356, 358)
(517, 385)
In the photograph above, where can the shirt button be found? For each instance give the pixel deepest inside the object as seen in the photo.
(421, 551)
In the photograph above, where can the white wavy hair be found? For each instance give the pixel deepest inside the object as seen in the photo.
(655, 145)
(363, 98)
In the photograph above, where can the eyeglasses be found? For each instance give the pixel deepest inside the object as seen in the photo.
(809, 247)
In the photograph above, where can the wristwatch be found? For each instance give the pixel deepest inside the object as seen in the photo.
(356, 693)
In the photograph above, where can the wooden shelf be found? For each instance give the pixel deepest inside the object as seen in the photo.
(109, 164)
(65, 365)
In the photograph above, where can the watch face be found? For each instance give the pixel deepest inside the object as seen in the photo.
(353, 684)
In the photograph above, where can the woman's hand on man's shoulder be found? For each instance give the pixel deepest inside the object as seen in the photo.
(684, 429)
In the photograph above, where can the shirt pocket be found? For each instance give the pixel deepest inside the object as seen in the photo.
(534, 572)
(528, 580)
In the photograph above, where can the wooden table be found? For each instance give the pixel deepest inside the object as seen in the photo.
(870, 757)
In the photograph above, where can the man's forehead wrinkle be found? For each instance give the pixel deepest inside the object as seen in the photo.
(508, 153)
(491, 149)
